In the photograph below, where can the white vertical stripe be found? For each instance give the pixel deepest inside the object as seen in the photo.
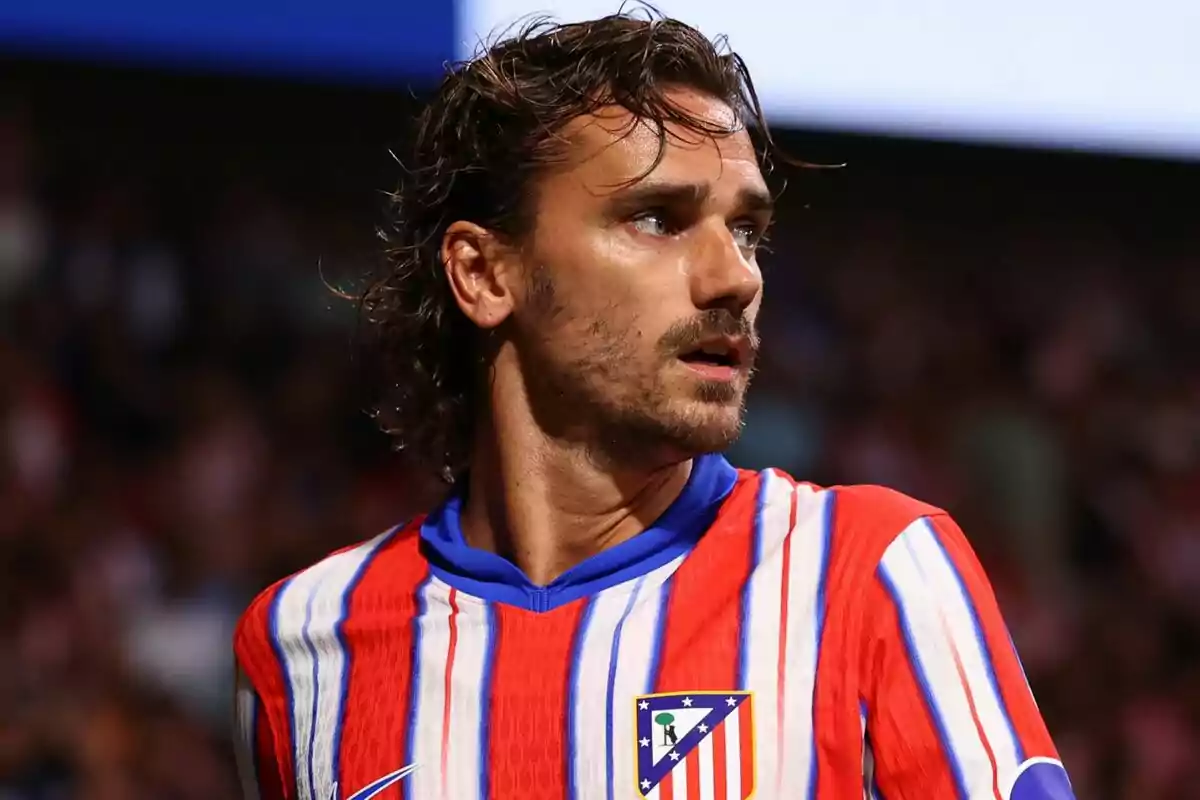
(309, 611)
(245, 746)
(591, 694)
(920, 605)
(434, 629)
(707, 780)
(808, 561)
(939, 573)
(290, 613)
(764, 598)
(679, 791)
(733, 757)
(464, 761)
(633, 673)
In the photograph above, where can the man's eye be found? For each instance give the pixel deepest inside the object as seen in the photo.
(653, 223)
(747, 236)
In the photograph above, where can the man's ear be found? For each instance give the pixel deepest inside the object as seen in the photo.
(481, 272)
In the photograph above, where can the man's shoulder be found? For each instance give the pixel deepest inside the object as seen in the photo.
(318, 594)
(862, 520)
(873, 508)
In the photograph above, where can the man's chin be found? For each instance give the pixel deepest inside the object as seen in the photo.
(707, 430)
(681, 429)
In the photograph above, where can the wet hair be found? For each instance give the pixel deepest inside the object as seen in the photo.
(493, 125)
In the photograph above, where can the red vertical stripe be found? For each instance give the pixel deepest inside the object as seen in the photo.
(746, 730)
(528, 759)
(692, 765)
(666, 788)
(376, 712)
(720, 780)
(705, 600)
(780, 696)
(449, 685)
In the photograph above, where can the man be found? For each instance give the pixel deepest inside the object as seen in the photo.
(604, 608)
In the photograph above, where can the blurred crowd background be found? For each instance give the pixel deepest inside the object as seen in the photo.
(1012, 335)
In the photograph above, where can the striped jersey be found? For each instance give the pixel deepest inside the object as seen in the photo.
(765, 638)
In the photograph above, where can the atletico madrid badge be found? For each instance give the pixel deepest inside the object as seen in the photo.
(695, 744)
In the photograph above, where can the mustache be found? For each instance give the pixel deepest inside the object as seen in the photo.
(688, 334)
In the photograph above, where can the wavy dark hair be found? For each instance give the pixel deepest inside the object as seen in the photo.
(492, 126)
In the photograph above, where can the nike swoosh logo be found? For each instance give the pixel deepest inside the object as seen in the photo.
(379, 784)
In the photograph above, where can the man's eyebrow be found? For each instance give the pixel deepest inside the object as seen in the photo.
(648, 193)
(757, 199)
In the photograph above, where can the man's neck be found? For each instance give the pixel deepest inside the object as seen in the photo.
(547, 506)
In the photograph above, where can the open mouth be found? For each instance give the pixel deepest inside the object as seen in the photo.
(718, 353)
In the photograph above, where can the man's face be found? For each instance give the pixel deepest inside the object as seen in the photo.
(640, 327)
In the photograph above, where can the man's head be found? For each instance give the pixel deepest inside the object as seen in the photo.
(579, 223)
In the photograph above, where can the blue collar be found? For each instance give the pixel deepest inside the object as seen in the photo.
(494, 578)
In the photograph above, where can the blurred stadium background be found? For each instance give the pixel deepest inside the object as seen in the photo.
(995, 306)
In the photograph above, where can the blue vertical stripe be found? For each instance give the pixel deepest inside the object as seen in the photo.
(914, 659)
(613, 656)
(485, 700)
(827, 526)
(764, 481)
(1013, 647)
(585, 621)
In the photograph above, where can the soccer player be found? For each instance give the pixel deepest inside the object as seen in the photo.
(604, 608)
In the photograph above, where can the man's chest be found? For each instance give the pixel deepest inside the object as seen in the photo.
(712, 675)
(673, 686)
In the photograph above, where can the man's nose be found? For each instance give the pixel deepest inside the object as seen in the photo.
(724, 275)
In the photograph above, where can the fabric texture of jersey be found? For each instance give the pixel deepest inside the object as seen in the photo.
(764, 638)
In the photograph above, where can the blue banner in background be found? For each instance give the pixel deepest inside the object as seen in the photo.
(360, 40)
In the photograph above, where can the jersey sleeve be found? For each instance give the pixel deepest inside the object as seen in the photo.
(261, 743)
(948, 712)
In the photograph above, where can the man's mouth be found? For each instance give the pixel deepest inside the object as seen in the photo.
(719, 358)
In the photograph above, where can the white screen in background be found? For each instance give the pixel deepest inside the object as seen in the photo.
(1091, 74)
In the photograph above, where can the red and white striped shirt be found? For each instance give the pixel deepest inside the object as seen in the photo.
(765, 637)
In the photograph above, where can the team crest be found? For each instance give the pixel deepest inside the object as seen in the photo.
(695, 744)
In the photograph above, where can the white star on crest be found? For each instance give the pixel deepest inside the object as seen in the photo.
(645, 784)
(730, 702)
(674, 756)
(703, 728)
(644, 742)
(687, 702)
(643, 705)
